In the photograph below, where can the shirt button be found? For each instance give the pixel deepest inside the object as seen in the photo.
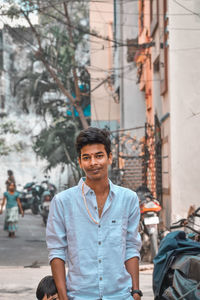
(99, 226)
(99, 243)
(99, 260)
(95, 207)
(100, 278)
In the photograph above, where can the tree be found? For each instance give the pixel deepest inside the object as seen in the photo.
(58, 42)
(5, 129)
(60, 48)
(56, 144)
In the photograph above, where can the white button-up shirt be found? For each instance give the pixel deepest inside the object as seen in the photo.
(95, 253)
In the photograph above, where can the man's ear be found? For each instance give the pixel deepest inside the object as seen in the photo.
(79, 161)
(110, 158)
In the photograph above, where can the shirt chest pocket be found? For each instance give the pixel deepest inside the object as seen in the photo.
(115, 232)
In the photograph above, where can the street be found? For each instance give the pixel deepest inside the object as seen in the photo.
(24, 261)
(29, 246)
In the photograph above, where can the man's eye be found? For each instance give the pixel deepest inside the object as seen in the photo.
(85, 158)
(99, 155)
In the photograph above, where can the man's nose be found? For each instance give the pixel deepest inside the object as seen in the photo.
(93, 160)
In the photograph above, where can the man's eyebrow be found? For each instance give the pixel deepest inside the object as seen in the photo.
(86, 154)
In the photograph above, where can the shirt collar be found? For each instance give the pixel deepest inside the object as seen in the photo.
(87, 188)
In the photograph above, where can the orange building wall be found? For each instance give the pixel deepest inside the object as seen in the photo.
(146, 86)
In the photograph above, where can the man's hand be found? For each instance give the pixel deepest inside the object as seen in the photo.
(136, 297)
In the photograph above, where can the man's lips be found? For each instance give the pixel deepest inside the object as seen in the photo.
(94, 170)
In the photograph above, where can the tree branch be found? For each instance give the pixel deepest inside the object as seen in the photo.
(40, 55)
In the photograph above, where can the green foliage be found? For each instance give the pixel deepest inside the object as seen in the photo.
(62, 46)
(6, 128)
(56, 143)
(13, 12)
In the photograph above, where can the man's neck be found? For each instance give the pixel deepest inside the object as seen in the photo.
(98, 186)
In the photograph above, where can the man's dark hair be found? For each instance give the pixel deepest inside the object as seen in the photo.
(46, 287)
(93, 135)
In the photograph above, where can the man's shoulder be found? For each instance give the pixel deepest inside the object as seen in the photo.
(68, 193)
(126, 191)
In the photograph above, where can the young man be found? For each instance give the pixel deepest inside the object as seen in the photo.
(94, 228)
(46, 289)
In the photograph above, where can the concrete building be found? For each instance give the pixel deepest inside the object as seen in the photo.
(171, 71)
(105, 109)
(132, 102)
(117, 102)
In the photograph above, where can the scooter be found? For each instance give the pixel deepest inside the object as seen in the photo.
(148, 227)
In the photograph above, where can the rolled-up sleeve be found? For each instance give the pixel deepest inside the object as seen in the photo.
(56, 232)
(133, 238)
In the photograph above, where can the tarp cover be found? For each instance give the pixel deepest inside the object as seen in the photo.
(186, 279)
(171, 251)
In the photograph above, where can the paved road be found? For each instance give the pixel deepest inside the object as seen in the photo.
(29, 245)
(23, 261)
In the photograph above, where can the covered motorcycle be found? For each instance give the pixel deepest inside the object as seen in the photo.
(177, 268)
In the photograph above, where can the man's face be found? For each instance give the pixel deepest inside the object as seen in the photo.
(54, 297)
(94, 161)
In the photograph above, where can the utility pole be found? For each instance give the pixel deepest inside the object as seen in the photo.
(121, 68)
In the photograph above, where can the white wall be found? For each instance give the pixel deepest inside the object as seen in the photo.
(132, 99)
(104, 108)
(184, 60)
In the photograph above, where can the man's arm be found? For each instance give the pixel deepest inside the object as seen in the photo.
(133, 244)
(58, 271)
(132, 266)
(57, 244)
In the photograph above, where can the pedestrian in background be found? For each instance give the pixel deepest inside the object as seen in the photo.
(11, 179)
(13, 204)
(94, 228)
(46, 289)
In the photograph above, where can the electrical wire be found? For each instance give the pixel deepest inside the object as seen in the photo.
(187, 9)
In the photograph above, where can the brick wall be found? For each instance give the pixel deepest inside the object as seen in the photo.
(133, 175)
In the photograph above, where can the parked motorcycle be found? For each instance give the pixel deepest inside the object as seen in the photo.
(48, 186)
(37, 191)
(26, 200)
(30, 197)
(148, 227)
(45, 204)
(32, 193)
(177, 265)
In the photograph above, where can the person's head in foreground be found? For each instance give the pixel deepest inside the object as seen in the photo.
(93, 135)
(93, 146)
(46, 289)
